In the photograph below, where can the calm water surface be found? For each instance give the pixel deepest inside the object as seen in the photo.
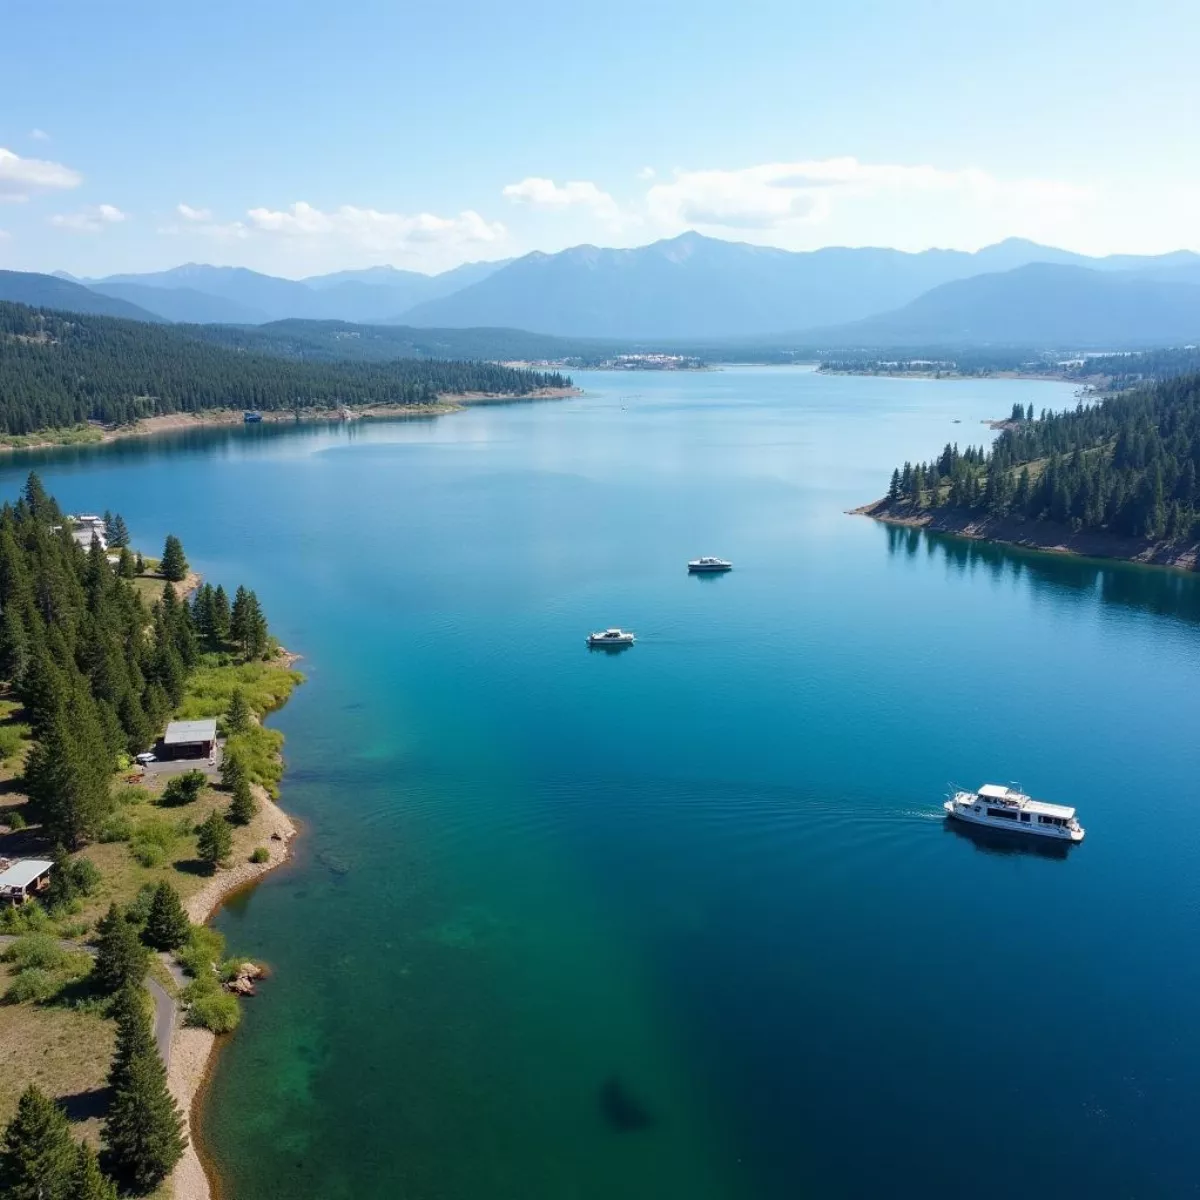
(685, 922)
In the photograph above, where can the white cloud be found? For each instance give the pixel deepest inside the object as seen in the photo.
(89, 220)
(39, 135)
(370, 229)
(647, 173)
(188, 213)
(778, 195)
(21, 178)
(546, 194)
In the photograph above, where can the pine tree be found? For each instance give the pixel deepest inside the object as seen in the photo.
(233, 769)
(894, 488)
(174, 566)
(140, 563)
(37, 1156)
(167, 926)
(126, 565)
(214, 842)
(239, 717)
(121, 958)
(242, 808)
(118, 533)
(88, 1182)
(143, 1132)
(135, 1035)
(222, 616)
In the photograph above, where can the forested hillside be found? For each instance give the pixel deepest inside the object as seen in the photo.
(1129, 465)
(58, 370)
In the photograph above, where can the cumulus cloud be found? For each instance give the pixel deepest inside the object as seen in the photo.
(370, 229)
(775, 195)
(546, 194)
(89, 220)
(21, 178)
(188, 213)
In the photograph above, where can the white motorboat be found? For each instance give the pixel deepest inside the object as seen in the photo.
(708, 565)
(611, 637)
(1000, 807)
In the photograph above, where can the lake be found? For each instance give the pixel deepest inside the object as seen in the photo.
(685, 922)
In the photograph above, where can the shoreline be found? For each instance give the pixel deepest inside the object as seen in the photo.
(1037, 535)
(194, 1051)
(447, 403)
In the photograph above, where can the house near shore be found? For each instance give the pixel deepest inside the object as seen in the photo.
(189, 739)
(22, 880)
(88, 528)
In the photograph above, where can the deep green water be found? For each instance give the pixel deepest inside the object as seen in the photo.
(710, 869)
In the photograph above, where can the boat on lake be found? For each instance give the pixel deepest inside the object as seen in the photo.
(251, 418)
(1000, 807)
(708, 566)
(611, 638)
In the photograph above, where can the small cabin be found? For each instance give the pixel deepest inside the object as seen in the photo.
(22, 880)
(189, 739)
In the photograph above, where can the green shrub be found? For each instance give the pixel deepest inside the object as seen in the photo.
(148, 854)
(34, 985)
(36, 951)
(183, 789)
(215, 1010)
(85, 876)
(131, 793)
(139, 907)
(13, 738)
(261, 855)
(118, 828)
(23, 918)
(73, 931)
(15, 820)
(204, 947)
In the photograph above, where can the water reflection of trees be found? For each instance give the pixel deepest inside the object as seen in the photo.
(1130, 585)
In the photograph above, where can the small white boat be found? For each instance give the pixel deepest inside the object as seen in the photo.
(1000, 807)
(708, 565)
(611, 637)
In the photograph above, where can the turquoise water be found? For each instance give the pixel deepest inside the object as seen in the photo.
(684, 922)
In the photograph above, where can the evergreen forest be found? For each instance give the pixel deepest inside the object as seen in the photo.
(59, 370)
(1128, 464)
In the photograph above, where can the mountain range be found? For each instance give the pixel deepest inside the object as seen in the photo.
(694, 287)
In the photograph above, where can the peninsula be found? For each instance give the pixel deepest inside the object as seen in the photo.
(139, 792)
(1119, 478)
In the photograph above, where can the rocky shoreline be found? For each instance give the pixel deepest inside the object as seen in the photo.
(1035, 535)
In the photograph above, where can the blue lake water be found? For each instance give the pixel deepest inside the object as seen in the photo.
(685, 922)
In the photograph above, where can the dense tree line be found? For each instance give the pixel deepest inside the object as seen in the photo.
(1127, 370)
(1129, 464)
(97, 671)
(58, 370)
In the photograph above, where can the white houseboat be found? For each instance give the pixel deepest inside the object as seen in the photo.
(1000, 807)
(707, 565)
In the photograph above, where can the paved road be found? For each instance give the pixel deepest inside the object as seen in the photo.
(164, 1005)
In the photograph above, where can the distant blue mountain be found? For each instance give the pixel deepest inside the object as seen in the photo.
(698, 287)
(51, 291)
(1040, 306)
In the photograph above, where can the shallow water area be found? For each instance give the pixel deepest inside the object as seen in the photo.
(684, 921)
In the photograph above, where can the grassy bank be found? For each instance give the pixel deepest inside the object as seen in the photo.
(62, 1040)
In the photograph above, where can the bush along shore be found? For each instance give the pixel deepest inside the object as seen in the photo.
(1115, 479)
(113, 987)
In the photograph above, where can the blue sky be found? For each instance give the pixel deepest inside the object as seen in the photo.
(304, 137)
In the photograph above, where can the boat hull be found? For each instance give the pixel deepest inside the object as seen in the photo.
(968, 816)
(706, 569)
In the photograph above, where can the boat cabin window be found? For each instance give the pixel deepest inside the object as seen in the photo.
(1050, 820)
(1007, 814)
(1024, 816)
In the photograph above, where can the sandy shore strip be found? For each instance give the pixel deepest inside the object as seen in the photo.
(192, 1049)
(449, 402)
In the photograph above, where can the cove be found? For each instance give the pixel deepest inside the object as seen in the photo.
(684, 922)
